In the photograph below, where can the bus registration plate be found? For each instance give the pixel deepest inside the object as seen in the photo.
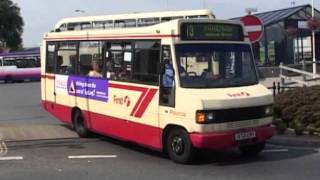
(245, 135)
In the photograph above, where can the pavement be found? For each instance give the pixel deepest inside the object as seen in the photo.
(290, 139)
(27, 132)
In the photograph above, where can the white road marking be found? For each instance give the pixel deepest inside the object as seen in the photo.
(11, 158)
(275, 150)
(92, 156)
(3, 148)
(4, 151)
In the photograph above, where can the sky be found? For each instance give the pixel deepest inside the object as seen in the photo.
(40, 16)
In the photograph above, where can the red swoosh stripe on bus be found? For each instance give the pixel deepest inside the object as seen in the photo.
(143, 101)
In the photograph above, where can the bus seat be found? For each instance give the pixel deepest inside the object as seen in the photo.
(85, 63)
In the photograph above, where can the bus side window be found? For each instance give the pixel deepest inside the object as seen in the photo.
(146, 62)
(90, 58)
(65, 52)
(50, 60)
(119, 61)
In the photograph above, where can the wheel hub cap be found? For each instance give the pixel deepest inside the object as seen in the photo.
(177, 145)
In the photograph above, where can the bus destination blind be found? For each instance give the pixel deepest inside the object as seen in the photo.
(211, 32)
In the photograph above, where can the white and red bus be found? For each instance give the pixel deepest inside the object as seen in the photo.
(177, 86)
(20, 66)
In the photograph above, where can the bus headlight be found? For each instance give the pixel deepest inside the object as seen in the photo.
(203, 117)
(268, 111)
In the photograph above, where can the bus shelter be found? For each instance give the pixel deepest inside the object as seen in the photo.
(287, 36)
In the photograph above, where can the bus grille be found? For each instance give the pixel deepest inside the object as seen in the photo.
(240, 114)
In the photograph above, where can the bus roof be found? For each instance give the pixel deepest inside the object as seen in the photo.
(31, 52)
(162, 14)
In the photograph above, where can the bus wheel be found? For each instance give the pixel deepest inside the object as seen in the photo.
(179, 146)
(8, 79)
(252, 150)
(80, 125)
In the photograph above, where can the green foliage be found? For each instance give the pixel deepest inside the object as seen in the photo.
(311, 129)
(281, 127)
(11, 24)
(300, 109)
(298, 129)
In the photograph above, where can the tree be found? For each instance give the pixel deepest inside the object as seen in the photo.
(11, 25)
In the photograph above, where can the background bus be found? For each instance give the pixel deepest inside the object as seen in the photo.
(19, 66)
(128, 20)
(176, 86)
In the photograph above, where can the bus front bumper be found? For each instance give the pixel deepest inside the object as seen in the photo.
(226, 140)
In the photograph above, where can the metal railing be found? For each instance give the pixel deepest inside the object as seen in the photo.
(303, 78)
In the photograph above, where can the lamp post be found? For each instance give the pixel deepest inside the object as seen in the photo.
(204, 4)
(314, 65)
(79, 11)
(251, 10)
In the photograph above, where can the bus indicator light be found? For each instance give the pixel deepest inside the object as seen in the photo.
(201, 117)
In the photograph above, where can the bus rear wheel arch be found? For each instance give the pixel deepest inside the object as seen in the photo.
(178, 145)
(8, 79)
(79, 123)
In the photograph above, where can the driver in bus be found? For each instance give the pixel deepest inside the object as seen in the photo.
(95, 72)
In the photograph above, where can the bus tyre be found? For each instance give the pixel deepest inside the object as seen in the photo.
(179, 146)
(79, 124)
(8, 79)
(252, 150)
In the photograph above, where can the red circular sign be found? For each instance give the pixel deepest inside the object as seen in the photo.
(254, 27)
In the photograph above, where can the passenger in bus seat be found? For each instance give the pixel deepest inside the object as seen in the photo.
(123, 73)
(206, 74)
(95, 72)
(59, 64)
(71, 67)
(182, 72)
(109, 70)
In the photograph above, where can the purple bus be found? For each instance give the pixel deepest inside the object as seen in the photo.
(20, 66)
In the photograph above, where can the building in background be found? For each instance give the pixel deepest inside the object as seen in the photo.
(287, 37)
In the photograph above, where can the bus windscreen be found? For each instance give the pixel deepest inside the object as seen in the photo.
(211, 32)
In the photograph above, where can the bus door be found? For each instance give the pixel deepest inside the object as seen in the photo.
(1, 69)
(141, 99)
(117, 59)
(90, 81)
(65, 71)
